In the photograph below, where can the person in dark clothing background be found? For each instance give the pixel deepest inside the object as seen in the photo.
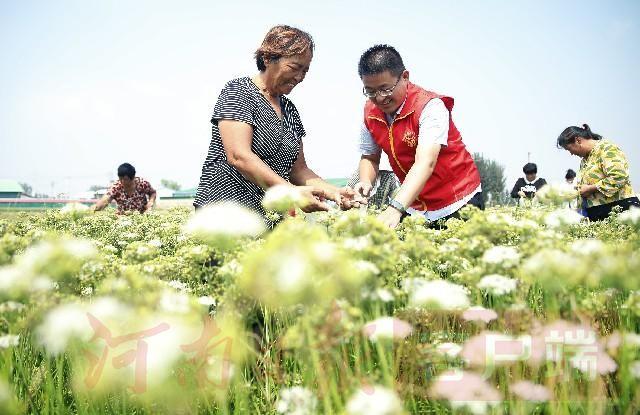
(527, 186)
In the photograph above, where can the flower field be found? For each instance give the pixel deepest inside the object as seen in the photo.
(514, 310)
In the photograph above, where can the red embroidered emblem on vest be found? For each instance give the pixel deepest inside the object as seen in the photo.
(410, 138)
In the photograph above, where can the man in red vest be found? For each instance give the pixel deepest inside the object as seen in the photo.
(415, 130)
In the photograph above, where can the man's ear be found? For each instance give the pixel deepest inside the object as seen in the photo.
(405, 75)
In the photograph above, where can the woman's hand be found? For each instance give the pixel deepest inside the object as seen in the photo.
(587, 190)
(315, 199)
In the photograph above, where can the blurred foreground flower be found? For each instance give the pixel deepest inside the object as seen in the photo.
(497, 284)
(387, 328)
(530, 391)
(439, 295)
(297, 401)
(375, 400)
(466, 389)
(557, 194)
(222, 224)
(283, 197)
(563, 217)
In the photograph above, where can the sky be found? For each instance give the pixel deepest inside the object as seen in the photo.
(87, 85)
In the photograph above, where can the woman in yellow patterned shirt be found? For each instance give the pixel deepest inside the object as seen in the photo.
(604, 172)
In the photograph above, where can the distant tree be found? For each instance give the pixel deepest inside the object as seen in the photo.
(96, 187)
(170, 184)
(41, 196)
(492, 179)
(27, 188)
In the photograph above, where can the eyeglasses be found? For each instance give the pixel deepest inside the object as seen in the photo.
(381, 92)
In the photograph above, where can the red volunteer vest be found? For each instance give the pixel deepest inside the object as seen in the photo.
(455, 174)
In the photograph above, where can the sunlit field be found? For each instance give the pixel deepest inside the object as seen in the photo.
(514, 310)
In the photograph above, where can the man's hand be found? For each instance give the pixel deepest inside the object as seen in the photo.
(149, 206)
(521, 194)
(390, 217)
(363, 189)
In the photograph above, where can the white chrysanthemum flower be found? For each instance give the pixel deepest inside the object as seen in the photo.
(86, 291)
(62, 324)
(292, 274)
(631, 216)
(384, 295)
(155, 242)
(10, 306)
(561, 217)
(297, 401)
(226, 220)
(557, 192)
(497, 284)
(449, 350)
(501, 255)
(233, 267)
(132, 236)
(634, 369)
(387, 328)
(357, 244)
(283, 197)
(179, 285)
(124, 222)
(9, 340)
(367, 267)
(207, 300)
(74, 207)
(587, 246)
(324, 251)
(110, 309)
(375, 400)
(174, 302)
(440, 295)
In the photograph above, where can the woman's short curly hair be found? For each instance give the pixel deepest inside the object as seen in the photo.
(282, 41)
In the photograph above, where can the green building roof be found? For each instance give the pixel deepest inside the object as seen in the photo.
(10, 186)
(339, 182)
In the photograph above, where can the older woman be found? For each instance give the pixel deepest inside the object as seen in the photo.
(257, 132)
(603, 179)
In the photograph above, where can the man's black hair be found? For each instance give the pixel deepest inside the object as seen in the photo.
(126, 170)
(380, 58)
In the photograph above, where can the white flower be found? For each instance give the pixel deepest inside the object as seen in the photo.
(155, 242)
(296, 401)
(505, 255)
(357, 244)
(292, 274)
(11, 306)
(175, 303)
(497, 284)
(557, 192)
(367, 267)
(441, 295)
(86, 291)
(225, 219)
(283, 197)
(375, 400)
(60, 325)
(631, 216)
(179, 285)
(207, 300)
(384, 295)
(562, 217)
(74, 208)
(587, 247)
(387, 328)
(450, 350)
(9, 340)
(634, 369)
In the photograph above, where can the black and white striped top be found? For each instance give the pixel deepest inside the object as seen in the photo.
(276, 141)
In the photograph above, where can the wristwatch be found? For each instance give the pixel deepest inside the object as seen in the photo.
(397, 206)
